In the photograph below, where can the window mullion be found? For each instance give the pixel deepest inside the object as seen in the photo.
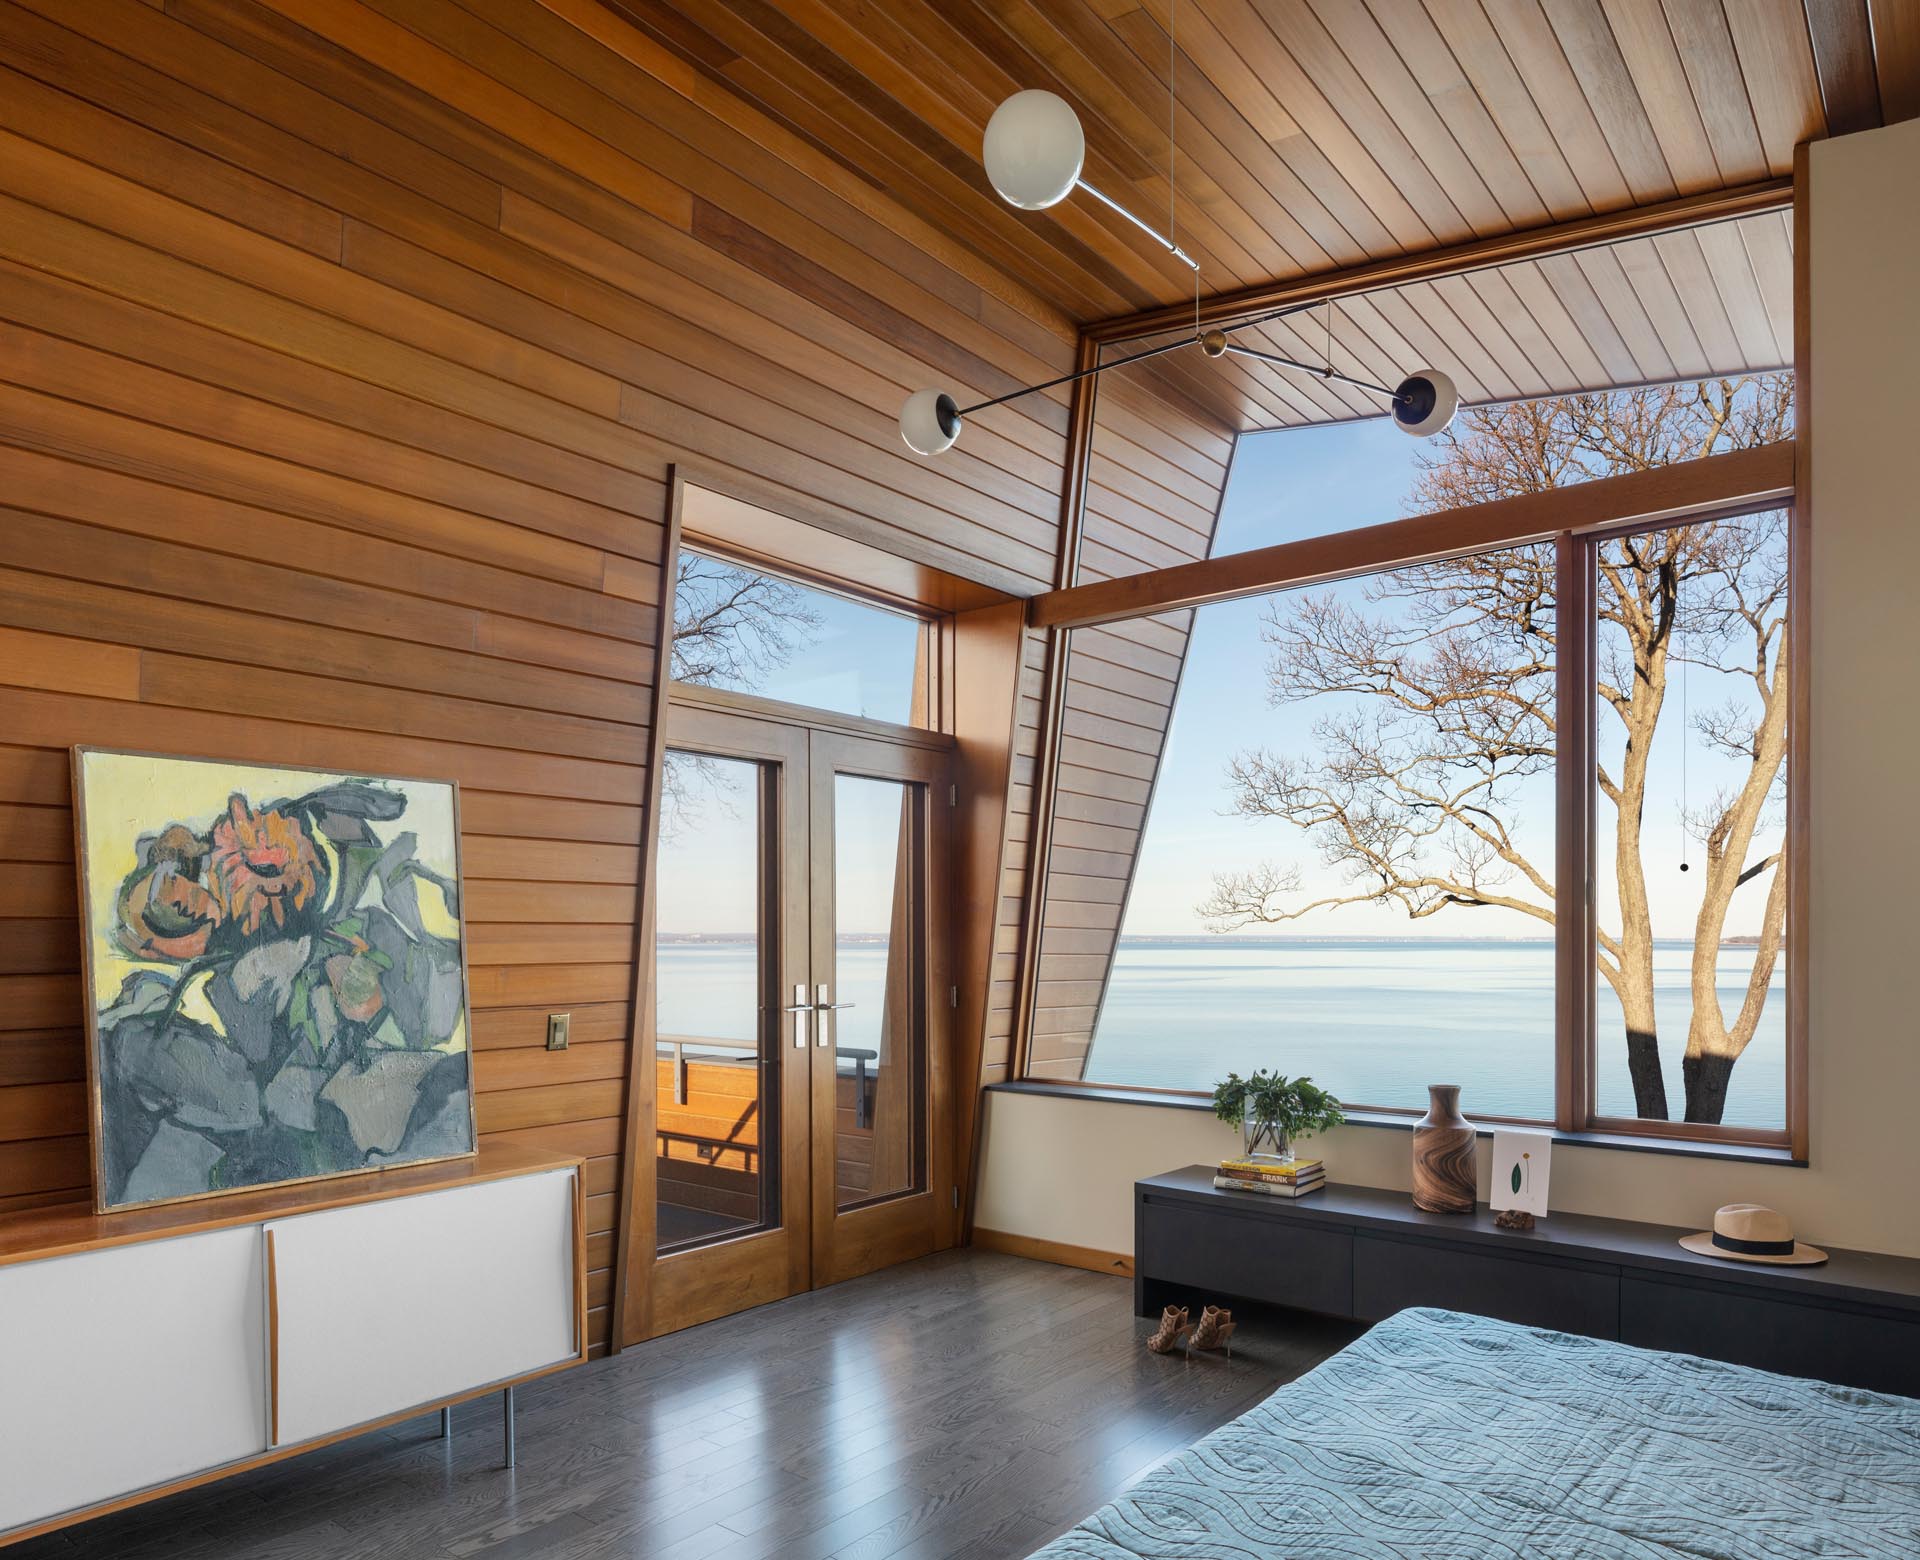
(1573, 855)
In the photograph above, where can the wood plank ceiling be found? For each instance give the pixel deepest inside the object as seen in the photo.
(1711, 299)
(1315, 135)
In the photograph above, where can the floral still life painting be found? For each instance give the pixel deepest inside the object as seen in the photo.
(275, 974)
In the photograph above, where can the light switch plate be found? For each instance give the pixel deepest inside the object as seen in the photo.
(558, 1024)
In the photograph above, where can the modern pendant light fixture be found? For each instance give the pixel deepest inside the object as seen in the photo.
(1034, 150)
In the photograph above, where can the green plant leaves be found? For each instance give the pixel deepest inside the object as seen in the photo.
(1297, 1106)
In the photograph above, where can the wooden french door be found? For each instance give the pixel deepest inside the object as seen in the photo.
(801, 1103)
(882, 1166)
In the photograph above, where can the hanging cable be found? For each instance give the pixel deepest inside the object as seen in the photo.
(1686, 824)
(1173, 151)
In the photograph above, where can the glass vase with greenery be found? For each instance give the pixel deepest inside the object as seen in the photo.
(1274, 1112)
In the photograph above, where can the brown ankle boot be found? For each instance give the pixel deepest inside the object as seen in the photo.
(1214, 1332)
(1172, 1331)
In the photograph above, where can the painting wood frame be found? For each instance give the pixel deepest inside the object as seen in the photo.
(96, 1141)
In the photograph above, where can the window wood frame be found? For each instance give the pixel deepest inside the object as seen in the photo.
(723, 514)
(1574, 520)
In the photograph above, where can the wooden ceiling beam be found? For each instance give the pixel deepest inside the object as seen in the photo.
(1842, 33)
(1427, 265)
(1719, 484)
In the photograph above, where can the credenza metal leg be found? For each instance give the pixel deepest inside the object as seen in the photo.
(506, 1422)
(446, 1423)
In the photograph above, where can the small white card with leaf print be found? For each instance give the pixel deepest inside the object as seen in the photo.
(1520, 1162)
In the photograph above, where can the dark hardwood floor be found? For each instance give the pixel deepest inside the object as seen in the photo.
(968, 1406)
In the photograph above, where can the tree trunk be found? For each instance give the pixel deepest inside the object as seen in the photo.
(1706, 1078)
(1634, 987)
(1714, 1045)
(1648, 632)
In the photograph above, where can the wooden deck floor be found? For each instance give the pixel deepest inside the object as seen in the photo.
(967, 1407)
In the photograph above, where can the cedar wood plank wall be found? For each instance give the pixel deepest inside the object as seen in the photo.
(1156, 470)
(340, 371)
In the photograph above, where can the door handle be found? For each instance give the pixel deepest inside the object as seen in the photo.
(823, 1034)
(800, 1007)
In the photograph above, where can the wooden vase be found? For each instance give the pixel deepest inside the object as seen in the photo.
(1443, 1143)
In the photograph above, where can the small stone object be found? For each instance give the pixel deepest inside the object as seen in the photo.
(1514, 1219)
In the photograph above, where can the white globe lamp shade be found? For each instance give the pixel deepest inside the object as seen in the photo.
(1424, 403)
(930, 422)
(1033, 150)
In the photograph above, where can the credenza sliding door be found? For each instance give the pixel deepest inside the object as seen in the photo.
(129, 1368)
(386, 1305)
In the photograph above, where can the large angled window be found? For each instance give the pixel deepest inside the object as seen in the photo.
(1345, 857)
(1348, 869)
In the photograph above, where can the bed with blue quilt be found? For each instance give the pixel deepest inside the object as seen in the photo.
(1438, 1436)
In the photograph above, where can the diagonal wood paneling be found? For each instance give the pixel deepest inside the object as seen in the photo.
(1711, 299)
(1156, 472)
(343, 351)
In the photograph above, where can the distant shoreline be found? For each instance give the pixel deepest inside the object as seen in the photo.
(1233, 939)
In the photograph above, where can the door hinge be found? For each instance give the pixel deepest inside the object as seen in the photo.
(953, 796)
(953, 996)
(956, 1197)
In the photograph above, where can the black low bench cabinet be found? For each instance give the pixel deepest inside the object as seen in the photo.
(1359, 1252)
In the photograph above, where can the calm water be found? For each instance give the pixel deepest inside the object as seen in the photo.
(1378, 1019)
(707, 988)
(1374, 1019)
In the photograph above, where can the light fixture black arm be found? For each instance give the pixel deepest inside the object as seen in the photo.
(1423, 403)
(1318, 370)
(1084, 373)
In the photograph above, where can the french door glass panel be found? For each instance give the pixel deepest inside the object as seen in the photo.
(877, 1009)
(715, 1025)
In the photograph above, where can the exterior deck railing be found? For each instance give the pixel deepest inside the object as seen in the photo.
(745, 1052)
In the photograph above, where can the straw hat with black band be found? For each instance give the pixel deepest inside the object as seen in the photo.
(1747, 1232)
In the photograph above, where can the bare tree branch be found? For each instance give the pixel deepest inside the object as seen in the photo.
(1443, 675)
(732, 628)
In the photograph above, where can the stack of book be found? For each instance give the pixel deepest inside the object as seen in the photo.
(1271, 1177)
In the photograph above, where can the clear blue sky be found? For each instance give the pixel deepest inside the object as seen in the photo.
(1310, 481)
(1284, 486)
(859, 661)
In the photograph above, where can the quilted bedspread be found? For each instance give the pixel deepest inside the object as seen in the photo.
(1446, 1437)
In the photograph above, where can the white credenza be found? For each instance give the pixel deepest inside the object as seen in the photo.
(140, 1353)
